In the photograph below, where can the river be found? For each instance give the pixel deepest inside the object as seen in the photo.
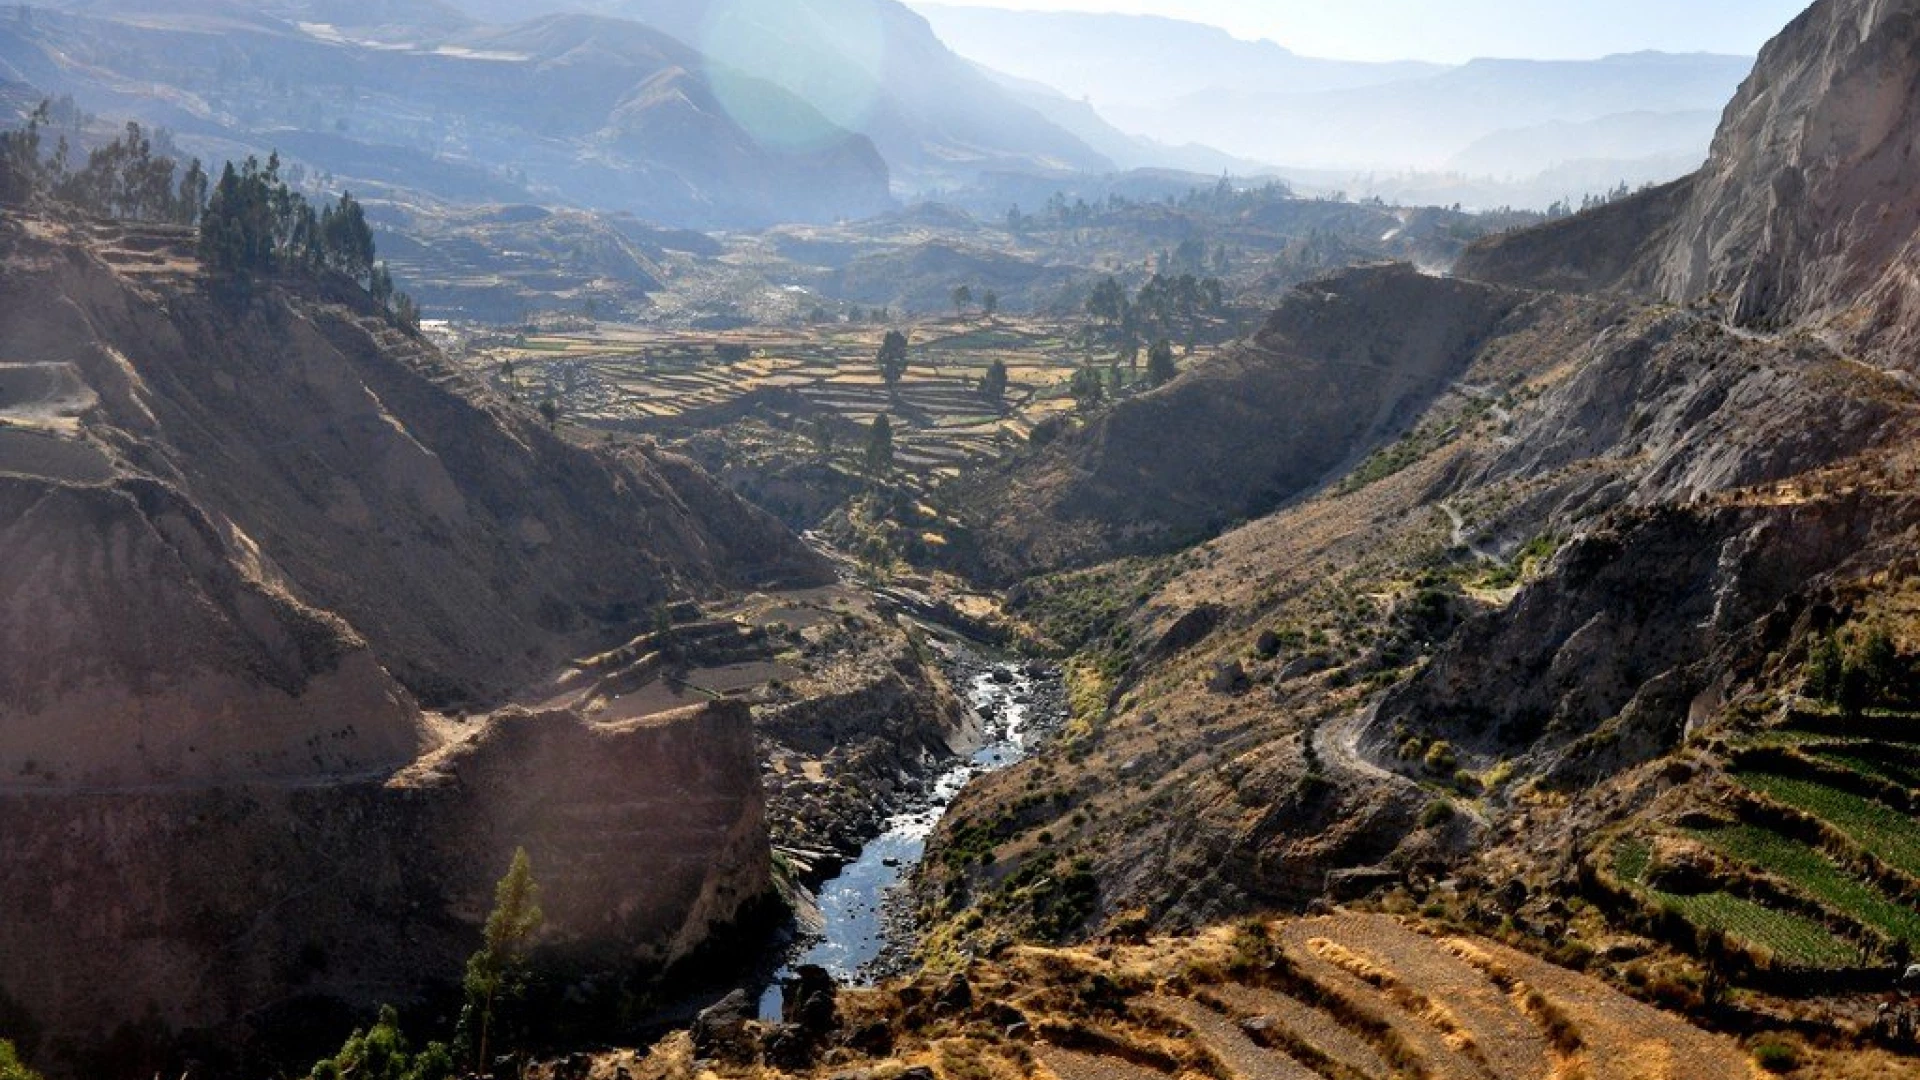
(1018, 707)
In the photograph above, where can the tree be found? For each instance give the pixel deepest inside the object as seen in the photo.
(193, 195)
(1088, 388)
(962, 299)
(822, 432)
(994, 386)
(22, 174)
(380, 1053)
(1108, 303)
(893, 358)
(880, 446)
(380, 285)
(11, 1067)
(1160, 366)
(990, 303)
(347, 239)
(406, 313)
(550, 412)
(497, 972)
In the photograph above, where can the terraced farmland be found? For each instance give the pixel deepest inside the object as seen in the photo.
(1887, 833)
(1789, 936)
(1818, 876)
(675, 382)
(1345, 997)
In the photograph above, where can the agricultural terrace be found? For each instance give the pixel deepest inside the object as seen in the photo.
(675, 382)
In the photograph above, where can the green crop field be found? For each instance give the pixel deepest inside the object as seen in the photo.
(1880, 829)
(1873, 764)
(1791, 937)
(1817, 876)
(1630, 860)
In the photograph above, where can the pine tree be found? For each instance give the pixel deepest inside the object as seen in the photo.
(1160, 366)
(880, 446)
(1088, 388)
(893, 358)
(497, 972)
(994, 386)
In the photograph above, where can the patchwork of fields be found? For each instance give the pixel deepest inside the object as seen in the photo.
(677, 382)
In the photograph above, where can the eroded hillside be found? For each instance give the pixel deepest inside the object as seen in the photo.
(252, 529)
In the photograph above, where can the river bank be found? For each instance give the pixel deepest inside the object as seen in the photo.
(864, 926)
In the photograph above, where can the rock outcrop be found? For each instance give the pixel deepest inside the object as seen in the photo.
(1804, 213)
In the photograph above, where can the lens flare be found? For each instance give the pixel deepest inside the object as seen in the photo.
(831, 53)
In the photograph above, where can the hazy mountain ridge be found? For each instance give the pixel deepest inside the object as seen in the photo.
(872, 66)
(564, 106)
(1491, 122)
(1422, 123)
(1107, 57)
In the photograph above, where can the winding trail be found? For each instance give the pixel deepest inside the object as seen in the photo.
(1462, 536)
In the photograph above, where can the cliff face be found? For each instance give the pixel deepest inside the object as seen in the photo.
(1804, 209)
(1804, 213)
(224, 917)
(247, 536)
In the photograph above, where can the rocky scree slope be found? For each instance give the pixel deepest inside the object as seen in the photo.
(249, 535)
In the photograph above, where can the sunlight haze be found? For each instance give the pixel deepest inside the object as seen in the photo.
(1465, 29)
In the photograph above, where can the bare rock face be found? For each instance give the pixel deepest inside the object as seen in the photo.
(1803, 214)
(214, 915)
(1804, 207)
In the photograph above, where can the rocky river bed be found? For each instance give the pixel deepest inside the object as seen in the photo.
(866, 928)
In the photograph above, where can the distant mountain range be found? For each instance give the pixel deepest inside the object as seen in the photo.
(871, 66)
(728, 113)
(686, 111)
(1634, 117)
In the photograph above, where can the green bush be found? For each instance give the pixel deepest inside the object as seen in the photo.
(378, 1053)
(1438, 812)
(10, 1065)
(1776, 1057)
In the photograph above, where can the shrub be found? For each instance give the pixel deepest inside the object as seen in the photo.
(1776, 1057)
(10, 1065)
(1441, 760)
(378, 1053)
(1437, 813)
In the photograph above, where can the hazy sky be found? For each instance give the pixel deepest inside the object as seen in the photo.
(1454, 30)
